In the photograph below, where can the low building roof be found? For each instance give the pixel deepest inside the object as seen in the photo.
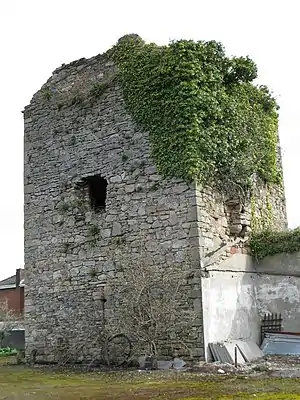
(10, 282)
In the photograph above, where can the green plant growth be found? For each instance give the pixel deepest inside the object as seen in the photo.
(60, 105)
(98, 89)
(47, 383)
(206, 118)
(94, 230)
(7, 351)
(92, 241)
(154, 187)
(264, 221)
(66, 247)
(64, 207)
(254, 219)
(93, 273)
(268, 217)
(118, 240)
(268, 243)
(76, 99)
(73, 140)
(46, 93)
(93, 235)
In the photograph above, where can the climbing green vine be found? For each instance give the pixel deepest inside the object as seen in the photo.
(265, 220)
(206, 118)
(254, 218)
(268, 217)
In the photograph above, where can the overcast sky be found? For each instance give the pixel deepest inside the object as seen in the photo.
(37, 36)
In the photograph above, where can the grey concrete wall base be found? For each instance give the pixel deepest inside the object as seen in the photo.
(238, 293)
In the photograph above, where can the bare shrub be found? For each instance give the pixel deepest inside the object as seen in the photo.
(151, 306)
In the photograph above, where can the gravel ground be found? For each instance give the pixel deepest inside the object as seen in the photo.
(269, 366)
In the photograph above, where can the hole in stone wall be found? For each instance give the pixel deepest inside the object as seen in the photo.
(97, 187)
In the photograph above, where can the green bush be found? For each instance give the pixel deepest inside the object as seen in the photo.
(268, 243)
(7, 351)
(206, 118)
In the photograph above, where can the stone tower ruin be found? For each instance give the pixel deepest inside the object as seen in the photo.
(93, 192)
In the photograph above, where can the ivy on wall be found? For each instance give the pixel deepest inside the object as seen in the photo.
(268, 243)
(262, 218)
(206, 119)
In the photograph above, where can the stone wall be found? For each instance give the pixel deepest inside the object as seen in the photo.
(223, 220)
(74, 130)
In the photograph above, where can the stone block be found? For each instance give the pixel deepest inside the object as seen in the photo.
(116, 229)
(28, 189)
(109, 266)
(129, 188)
(105, 233)
(179, 244)
(57, 275)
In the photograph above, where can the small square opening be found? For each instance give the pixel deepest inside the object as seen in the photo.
(97, 187)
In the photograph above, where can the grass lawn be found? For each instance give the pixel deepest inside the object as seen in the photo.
(20, 383)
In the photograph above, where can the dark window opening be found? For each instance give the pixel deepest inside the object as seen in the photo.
(97, 192)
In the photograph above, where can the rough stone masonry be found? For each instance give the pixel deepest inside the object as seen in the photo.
(93, 194)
